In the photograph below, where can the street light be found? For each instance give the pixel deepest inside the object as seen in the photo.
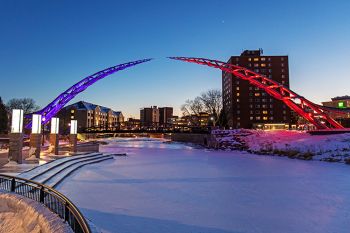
(16, 136)
(17, 121)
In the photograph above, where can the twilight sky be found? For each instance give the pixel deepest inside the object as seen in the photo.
(46, 46)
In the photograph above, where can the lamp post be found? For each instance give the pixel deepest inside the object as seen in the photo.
(16, 136)
(35, 136)
(73, 136)
(54, 136)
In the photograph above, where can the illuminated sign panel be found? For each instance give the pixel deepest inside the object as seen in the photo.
(341, 105)
(17, 121)
(36, 125)
(55, 122)
(73, 126)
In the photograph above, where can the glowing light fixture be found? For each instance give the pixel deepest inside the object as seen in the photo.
(17, 121)
(36, 126)
(73, 127)
(55, 122)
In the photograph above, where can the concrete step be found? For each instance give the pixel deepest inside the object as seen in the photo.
(59, 177)
(43, 177)
(37, 171)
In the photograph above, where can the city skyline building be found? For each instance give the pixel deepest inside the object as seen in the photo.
(156, 117)
(89, 115)
(247, 106)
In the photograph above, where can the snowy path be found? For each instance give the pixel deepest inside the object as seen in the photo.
(175, 189)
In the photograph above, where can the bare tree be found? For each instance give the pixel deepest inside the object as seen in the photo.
(27, 104)
(192, 107)
(212, 102)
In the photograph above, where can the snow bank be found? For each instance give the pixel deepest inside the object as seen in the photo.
(19, 214)
(298, 144)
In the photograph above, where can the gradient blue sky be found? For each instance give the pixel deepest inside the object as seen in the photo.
(46, 46)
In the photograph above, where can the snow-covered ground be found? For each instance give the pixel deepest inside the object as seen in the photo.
(174, 188)
(22, 215)
(294, 144)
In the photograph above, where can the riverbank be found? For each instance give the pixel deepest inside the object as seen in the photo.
(292, 144)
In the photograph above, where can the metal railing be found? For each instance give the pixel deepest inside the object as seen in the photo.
(49, 197)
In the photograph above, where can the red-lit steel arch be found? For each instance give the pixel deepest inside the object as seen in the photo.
(314, 113)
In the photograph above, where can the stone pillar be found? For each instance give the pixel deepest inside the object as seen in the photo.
(73, 139)
(35, 142)
(54, 142)
(15, 147)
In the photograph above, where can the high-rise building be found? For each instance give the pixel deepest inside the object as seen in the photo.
(247, 106)
(156, 117)
(149, 117)
(165, 115)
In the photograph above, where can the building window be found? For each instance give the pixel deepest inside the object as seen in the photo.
(72, 111)
(262, 59)
(237, 94)
(257, 118)
(263, 65)
(257, 94)
(256, 65)
(237, 88)
(256, 59)
(251, 118)
(264, 112)
(265, 118)
(249, 59)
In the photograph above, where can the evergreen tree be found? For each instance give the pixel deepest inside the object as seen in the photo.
(3, 117)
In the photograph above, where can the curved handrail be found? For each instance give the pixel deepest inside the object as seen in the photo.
(51, 198)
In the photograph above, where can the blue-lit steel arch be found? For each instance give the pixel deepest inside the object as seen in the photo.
(57, 104)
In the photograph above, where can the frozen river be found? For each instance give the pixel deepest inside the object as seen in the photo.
(174, 188)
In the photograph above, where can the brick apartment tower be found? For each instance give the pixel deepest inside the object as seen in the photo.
(247, 106)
